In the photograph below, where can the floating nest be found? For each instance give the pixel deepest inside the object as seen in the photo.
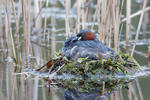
(86, 75)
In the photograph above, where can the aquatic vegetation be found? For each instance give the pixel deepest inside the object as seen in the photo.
(89, 74)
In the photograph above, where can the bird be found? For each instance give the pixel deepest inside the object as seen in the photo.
(86, 45)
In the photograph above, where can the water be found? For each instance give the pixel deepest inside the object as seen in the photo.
(31, 85)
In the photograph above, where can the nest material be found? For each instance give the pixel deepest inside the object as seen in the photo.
(120, 63)
(89, 74)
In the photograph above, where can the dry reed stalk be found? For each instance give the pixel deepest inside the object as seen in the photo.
(136, 14)
(43, 91)
(105, 21)
(8, 82)
(103, 89)
(139, 27)
(87, 10)
(110, 33)
(78, 16)
(17, 18)
(26, 28)
(114, 25)
(96, 13)
(121, 94)
(103, 10)
(148, 53)
(37, 28)
(45, 19)
(112, 97)
(53, 39)
(128, 22)
(8, 14)
(37, 12)
(98, 17)
(83, 14)
(129, 92)
(1, 28)
(13, 87)
(67, 18)
(139, 89)
(40, 15)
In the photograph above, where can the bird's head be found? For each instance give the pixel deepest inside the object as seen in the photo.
(85, 35)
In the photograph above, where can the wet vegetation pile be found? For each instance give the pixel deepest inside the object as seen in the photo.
(86, 75)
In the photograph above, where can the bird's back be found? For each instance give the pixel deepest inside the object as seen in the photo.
(89, 48)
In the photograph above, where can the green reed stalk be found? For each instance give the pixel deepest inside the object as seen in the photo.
(67, 18)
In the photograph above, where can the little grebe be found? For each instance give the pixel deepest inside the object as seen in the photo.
(85, 44)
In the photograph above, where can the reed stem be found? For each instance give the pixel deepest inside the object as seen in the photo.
(83, 14)
(78, 16)
(128, 22)
(136, 14)
(17, 32)
(45, 20)
(139, 27)
(67, 18)
(1, 28)
(8, 14)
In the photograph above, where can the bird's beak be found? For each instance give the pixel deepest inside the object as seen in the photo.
(79, 38)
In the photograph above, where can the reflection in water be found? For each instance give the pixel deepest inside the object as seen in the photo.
(27, 86)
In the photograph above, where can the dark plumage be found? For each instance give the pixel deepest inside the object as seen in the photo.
(85, 44)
